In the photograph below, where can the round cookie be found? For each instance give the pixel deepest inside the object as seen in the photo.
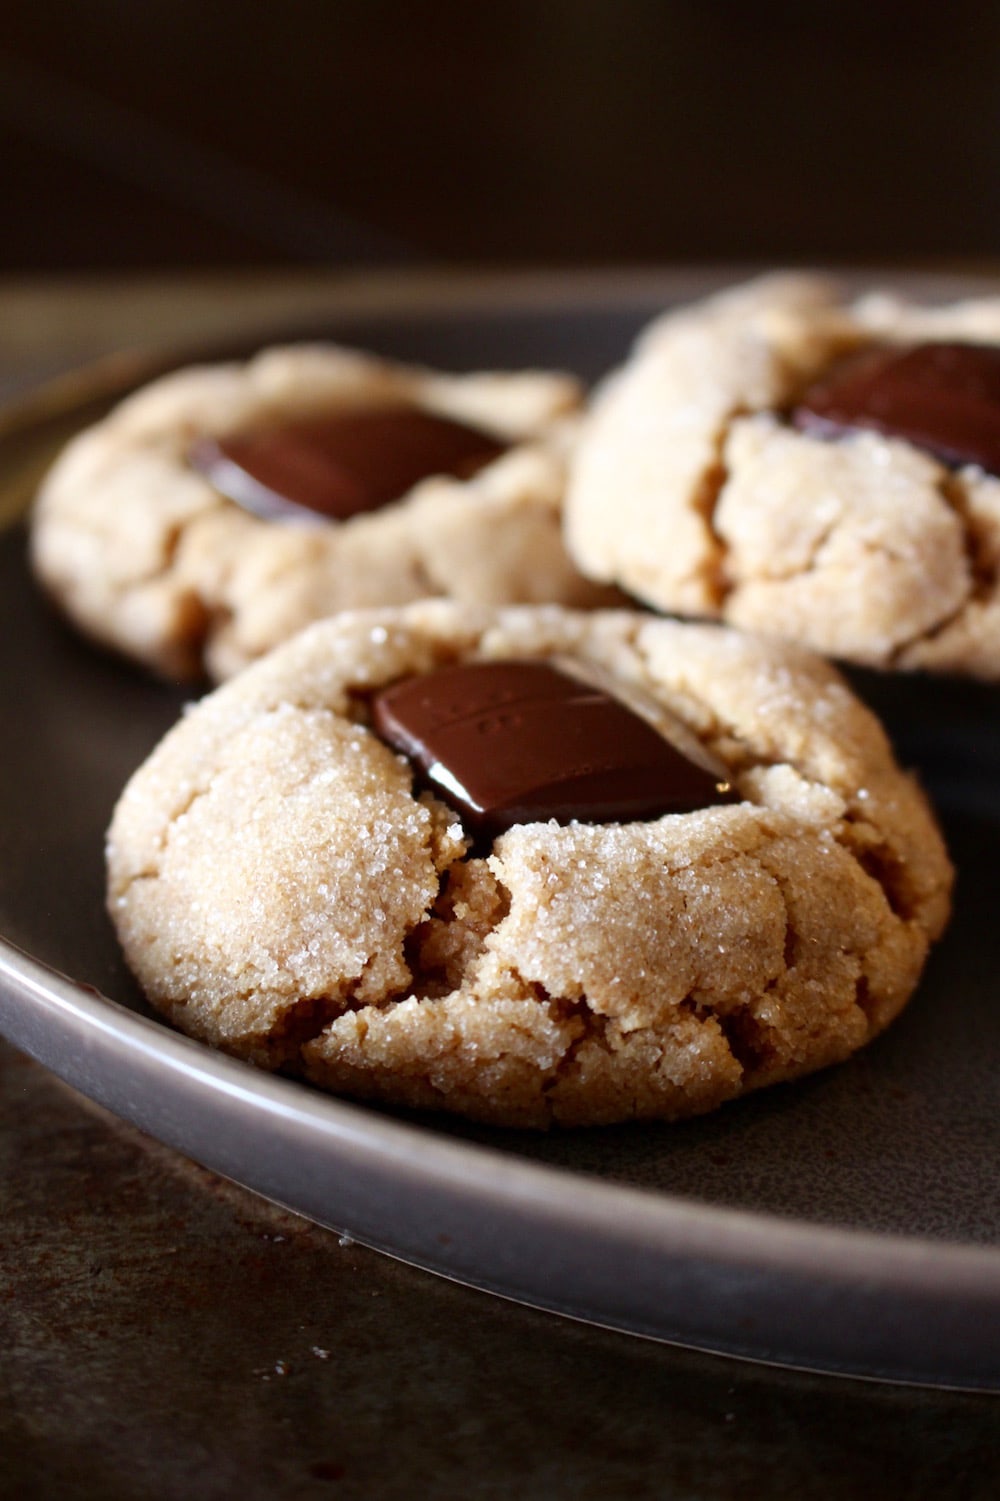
(144, 552)
(704, 485)
(285, 887)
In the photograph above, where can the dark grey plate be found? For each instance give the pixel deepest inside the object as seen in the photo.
(846, 1223)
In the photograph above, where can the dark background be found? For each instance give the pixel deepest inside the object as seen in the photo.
(174, 133)
(163, 1334)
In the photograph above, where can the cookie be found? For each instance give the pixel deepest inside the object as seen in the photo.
(531, 865)
(219, 510)
(824, 471)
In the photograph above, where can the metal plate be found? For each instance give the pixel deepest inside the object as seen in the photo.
(849, 1222)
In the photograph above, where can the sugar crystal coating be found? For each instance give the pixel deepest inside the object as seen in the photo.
(283, 891)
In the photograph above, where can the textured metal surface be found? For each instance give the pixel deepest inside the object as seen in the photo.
(165, 1334)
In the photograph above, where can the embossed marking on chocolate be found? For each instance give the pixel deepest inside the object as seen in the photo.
(512, 741)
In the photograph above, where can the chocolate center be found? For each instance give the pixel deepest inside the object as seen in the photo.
(944, 398)
(341, 464)
(511, 742)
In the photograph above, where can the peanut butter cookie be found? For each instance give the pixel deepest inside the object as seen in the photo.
(531, 865)
(221, 509)
(821, 470)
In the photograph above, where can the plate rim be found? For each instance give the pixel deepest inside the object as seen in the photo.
(948, 1280)
(406, 1141)
(828, 1299)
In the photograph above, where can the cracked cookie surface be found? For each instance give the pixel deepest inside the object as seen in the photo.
(282, 891)
(691, 489)
(146, 555)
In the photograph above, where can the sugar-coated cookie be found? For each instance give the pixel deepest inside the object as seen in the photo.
(342, 864)
(821, 470)
(220, 509)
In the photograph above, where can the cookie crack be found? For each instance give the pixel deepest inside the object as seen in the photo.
(194, 627)
(981, 564)
(705, 503)
(710, 497)
(747, 1039)
(981, 561)
(304, 1022)
(726, 742)
(595, 1029)
(152, 870)
(814, 562)
(744, 1033)
(879, 861)
(170, 546)
(423, 572)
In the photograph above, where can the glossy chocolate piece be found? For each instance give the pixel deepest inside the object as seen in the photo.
(341, 464)
(510, 742)
(942, 397)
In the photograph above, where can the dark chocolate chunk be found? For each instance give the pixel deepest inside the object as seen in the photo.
(341, 464)
(509, 742)
(944, 398)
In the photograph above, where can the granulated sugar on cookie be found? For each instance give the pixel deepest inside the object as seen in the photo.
(791, 463)
(222, 508)
(533, 866)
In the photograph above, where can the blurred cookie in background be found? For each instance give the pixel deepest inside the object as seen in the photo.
(809, 467)
(222, 508)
